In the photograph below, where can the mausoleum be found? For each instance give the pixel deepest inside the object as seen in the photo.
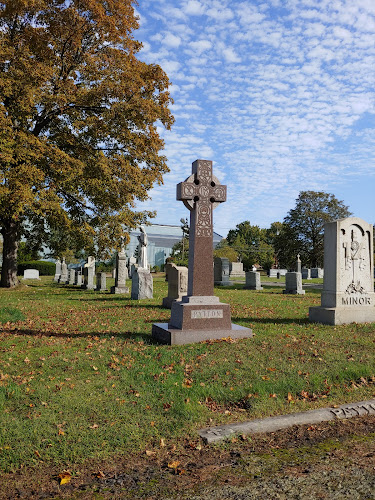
(161, 238)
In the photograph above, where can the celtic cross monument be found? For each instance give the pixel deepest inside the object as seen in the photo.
(200, 315)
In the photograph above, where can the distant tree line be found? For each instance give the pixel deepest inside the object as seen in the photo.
(301, 232)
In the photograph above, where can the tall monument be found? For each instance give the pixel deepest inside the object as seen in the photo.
(348, 287)
(200, 315)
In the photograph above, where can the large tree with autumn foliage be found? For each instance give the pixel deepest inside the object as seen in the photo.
(78, 115)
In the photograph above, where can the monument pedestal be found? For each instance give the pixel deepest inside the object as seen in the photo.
(119, 289)
(198, 318)
(341, 315)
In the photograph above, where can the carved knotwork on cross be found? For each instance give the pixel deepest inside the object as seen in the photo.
(201, 193)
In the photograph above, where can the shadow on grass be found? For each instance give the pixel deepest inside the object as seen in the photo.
(136, 336)
(122, 301)
(275, 321)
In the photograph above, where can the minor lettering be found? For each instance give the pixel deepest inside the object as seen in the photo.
(356, 301)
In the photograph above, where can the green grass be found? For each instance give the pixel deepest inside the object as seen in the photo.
(81, 378)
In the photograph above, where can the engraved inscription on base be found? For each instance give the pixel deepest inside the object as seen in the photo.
(206, 313)
(354, 411)
(354, 300)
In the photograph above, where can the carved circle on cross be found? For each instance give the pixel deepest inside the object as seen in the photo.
(193, 190)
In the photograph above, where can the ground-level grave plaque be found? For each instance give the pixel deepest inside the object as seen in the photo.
(199, 315)
(273, 424)
(348, 284)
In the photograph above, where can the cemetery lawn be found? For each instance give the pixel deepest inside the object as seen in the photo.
(81, 380)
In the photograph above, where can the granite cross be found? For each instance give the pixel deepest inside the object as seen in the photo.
(201, 193)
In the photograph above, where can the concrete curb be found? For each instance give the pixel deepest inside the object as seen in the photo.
(272, 424)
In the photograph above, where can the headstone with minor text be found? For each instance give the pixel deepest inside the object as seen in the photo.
(142, 284)
(298, 264)
(236, 269)
(64, 272)
(293, 284)
(89, 273)
(177, 284)
(221, 271)
(132, 266)
(253, 280)
(168, 266)
(72, 276)
(348, 287)
(121, 272)
(78, 278)
(101, 282)
(317, 272)
(31, 274)
(199, 315)
(276, 273)
(57, 271)
(306, 273)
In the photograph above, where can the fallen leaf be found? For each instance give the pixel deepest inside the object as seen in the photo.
(174, 464)
(150, 453)
(65, 477)
(94, 426)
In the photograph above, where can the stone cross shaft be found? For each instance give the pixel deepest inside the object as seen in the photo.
(201, 193)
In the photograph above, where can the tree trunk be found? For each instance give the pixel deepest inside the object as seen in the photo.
(10, 232)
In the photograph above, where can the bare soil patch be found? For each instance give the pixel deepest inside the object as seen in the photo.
(330, 460)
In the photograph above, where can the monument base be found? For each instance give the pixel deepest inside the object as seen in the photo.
(294, 292)
(198, 318)
(222, 283)
(341, 315)
(162, 333)
(119, 289)
(253, 287)
(167, 302)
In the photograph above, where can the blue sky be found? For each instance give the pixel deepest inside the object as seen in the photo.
(279, 94)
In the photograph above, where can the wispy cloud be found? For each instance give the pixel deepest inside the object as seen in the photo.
(279, 94)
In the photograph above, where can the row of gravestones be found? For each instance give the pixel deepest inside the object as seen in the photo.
(142, 285)
(307, 274)
(224, 270)
(348, 289)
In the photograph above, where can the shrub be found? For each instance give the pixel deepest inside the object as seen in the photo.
(44, 267)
